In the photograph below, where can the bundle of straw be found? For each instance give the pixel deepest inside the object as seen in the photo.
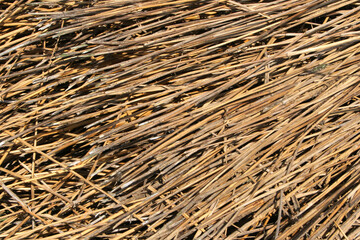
(184, 119)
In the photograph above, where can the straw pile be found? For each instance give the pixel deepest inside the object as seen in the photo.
(184, 119)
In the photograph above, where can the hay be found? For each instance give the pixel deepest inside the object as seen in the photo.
(182, 119)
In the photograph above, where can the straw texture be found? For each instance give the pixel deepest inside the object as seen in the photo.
(184, 119)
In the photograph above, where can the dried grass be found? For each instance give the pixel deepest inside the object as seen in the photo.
(182, 119)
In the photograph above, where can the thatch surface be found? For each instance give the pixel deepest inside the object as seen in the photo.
(182, 119)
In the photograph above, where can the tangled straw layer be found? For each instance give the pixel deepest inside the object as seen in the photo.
(185, 119)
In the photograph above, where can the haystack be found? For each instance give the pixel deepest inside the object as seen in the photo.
(182, 119)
